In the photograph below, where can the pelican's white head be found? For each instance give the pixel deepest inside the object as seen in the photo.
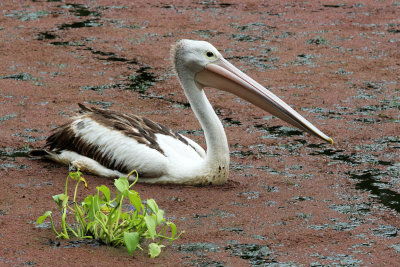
(190, 57)
(200, 63)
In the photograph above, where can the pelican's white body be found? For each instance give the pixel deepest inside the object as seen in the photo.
(180, 163)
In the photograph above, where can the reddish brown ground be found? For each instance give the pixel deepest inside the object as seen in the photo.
(290, 199)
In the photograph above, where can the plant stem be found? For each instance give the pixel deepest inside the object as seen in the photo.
(137, 178)
(52, 226)
(119, 207)
(79, 215)
(64, 233)
(76, 189)
(63, 224)
(72, 230)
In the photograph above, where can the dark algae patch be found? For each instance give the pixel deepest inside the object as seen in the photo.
(46, 36)
(74, 243)
(199, 248)
(80, 24)
(66, 44)
(13, 153)
(257, 255)
(110, 56)
(142, 80)
(278, 131)
(23, 76)
(336, 154)
(8, 117)
(318, 40)
(369, 181)
(231, 121)
(81, 10)
(386, 231)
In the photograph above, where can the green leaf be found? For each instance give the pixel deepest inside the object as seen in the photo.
(75, 175)
(43, 217)
(151, 203)
(96, 203)
(106, 192)
(131, 241)
(135, 200)
(93, 206)
(151, 225)
(88, 202)
(122, 184)
(155, 250)
(102, 216)
(81, 179)
(92, 227)
(173, 229)
(64, 199)
(57, 199)
(125, 217)
(160, 216)
(91, 224)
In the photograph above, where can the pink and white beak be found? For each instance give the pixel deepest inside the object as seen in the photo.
(224, 76)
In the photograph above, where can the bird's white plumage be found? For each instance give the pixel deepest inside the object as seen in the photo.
(121, 148)
(178, 160)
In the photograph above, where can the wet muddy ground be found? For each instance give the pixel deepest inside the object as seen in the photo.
(290, 201)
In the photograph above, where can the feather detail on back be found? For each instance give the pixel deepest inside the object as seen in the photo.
(139, 128)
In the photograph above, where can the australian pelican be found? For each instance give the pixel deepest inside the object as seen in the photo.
(111, 144)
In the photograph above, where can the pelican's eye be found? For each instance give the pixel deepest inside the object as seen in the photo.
(210, 55)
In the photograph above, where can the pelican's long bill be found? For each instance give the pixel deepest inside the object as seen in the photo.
(223, 75)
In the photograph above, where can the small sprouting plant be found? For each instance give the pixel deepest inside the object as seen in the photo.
(101, 217)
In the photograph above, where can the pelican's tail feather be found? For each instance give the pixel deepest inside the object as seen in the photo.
(38, 153)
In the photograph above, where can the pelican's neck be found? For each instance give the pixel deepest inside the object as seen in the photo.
(217, 144)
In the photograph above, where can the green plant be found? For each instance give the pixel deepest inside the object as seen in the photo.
(101, 217)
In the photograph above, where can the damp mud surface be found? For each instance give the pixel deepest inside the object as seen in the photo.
(291, 200)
